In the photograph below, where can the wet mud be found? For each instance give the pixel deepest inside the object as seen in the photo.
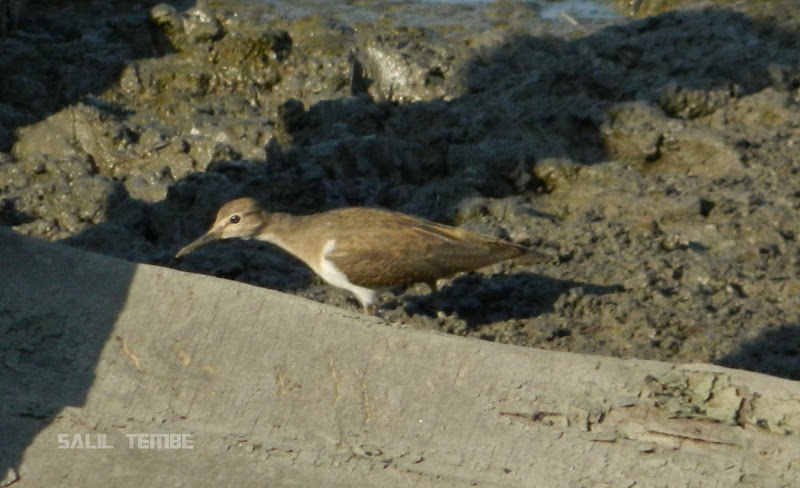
(655, 156)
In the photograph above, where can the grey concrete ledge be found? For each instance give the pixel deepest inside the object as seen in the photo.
(276, 390)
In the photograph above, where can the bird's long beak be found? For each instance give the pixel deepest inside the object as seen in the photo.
(209, 236)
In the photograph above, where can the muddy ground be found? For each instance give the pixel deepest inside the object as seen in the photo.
(654, 157)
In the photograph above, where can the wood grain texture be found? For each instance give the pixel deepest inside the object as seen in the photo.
(281, 391)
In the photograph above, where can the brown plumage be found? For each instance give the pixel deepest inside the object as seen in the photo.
(364, 249)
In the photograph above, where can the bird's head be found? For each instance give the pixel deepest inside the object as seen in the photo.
(242, 217)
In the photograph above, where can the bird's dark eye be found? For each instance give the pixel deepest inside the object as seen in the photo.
(235, 219)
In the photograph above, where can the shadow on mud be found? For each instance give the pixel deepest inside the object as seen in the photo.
(775, 352)
(481, 300)
(531, 99)
(57, 53)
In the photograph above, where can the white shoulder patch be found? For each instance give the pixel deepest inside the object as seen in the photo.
(333, 275)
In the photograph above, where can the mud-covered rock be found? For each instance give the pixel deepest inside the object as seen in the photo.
(56, 198)
(691, 104)
(634, 131)
(654, 159)
(407, 65)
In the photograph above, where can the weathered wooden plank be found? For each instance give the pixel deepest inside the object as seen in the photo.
(283, 391)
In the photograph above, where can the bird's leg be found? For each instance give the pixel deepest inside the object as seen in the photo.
(433, 284)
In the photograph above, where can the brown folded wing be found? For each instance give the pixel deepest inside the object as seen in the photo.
(402, 250)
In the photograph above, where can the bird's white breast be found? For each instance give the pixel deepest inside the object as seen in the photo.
(333, 275)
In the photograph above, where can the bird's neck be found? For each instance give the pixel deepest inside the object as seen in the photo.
(278, 228)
